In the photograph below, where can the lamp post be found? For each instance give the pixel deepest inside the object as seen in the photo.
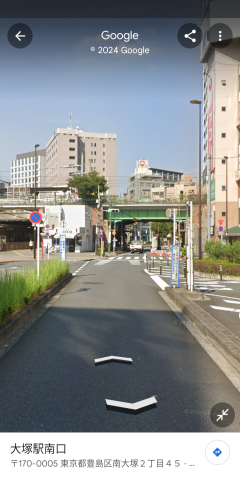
(199, 182)
(226, 159)
(35, 200)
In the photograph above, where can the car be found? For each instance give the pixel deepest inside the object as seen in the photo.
(136, 246)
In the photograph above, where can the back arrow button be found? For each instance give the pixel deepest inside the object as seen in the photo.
(18, 36)
(20, 33)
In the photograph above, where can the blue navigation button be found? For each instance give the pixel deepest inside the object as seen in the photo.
(217, 452)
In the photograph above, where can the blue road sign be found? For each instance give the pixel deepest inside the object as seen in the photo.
(220, 228)
(46, 234)
(35, 217)
(47, 226)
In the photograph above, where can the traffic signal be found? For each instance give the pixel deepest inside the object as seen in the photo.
(113, 210)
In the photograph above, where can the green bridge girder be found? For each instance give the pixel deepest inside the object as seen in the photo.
(127, 214)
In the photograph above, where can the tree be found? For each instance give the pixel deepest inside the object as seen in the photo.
(87, 186)
(164, 228)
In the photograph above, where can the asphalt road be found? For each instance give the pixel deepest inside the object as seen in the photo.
(49, 381)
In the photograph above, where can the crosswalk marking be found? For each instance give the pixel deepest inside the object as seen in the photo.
(231, 301)
(230, 309)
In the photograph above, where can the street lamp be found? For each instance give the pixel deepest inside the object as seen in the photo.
(199, 182)
(35, 199)
(226, 159)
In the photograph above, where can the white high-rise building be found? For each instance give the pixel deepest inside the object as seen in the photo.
(22, 170)
(221, 129)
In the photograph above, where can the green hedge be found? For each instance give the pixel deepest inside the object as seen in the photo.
(213, 267)
(18, 289)
(217, 250)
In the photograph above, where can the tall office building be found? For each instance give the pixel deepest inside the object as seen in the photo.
(71, 150)
(22, 170)
(221, 128)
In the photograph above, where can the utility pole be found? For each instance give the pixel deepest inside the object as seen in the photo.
(226, 159)
(209, 197)
(35, 203)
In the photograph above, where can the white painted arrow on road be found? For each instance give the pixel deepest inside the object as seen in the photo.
(113, 358)
(132, 406)
(18, 36)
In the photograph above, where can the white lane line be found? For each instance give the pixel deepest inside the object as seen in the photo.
(231, 301)
(161, 283)
(111, 258)
(74, 274)
(119, 258)
(128, 258)
(230, 309)
(136, 258)
(209, 288)
(222, 296)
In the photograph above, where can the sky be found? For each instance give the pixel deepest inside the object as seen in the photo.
(144, 99)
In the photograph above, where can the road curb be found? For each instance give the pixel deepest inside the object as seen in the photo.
(225, 277)
(222, 338)
(13, 323)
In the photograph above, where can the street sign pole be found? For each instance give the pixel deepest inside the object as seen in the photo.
(38, 251)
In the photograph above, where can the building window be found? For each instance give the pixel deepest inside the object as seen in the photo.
(223, 135)
(95, 161)
(71, 157)
(91, 144)
(95, 145)
(104, 153)
(104, 161)
(223, 188)
(223, 161)
(91, 152)
(224, 83)
(104, 145)
(95, 152)
(71, 140)
(223, 108)
(103, 169)
(223, 214)
(71, 149)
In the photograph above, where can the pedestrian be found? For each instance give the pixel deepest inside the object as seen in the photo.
(31, 244)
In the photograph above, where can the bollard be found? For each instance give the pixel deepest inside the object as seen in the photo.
(150, 266)
(220, 272)
(153, 262)
(160, 269)
(184, 270)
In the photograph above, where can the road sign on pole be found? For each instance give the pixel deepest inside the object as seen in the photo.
(220, 222)
(220, 229)
(175, 265)
(35, 217)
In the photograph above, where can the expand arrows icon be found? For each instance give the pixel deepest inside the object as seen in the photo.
(140, 406)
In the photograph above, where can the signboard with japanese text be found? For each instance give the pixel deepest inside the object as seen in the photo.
(63, 248)
(210, 119)
(212, 190)
(175, 266)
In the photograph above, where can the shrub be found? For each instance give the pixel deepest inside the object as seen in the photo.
(18, 289)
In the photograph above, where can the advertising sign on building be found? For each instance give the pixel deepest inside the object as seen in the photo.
(210, 119)
(212, 190)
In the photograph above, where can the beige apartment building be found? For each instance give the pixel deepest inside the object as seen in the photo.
(221, 130)
(72, 151)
